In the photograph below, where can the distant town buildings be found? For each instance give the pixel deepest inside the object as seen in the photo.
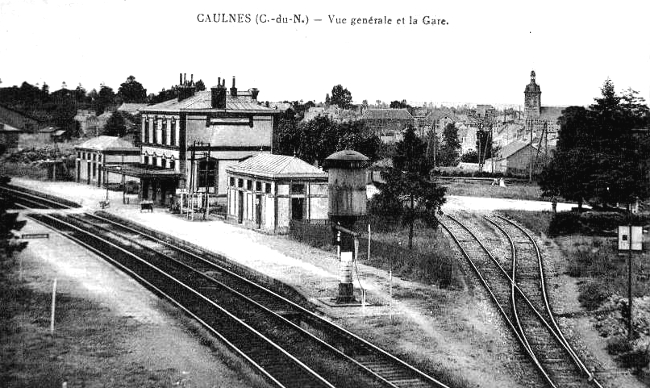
(388, 124)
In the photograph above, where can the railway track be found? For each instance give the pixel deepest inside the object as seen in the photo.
(287, 343)
(517, 287)
(22, 199)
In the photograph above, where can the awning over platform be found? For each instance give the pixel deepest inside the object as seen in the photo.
(144, 171)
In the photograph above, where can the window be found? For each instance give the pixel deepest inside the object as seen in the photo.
(298, 188)
(155, 131)
(173, 132)
(94, 170)
(207, 173)
(258, 186)
(145, 125)
(240, 182)
(268, 188)
(232, 181)
(249, 185)
(172, 164)
(146, 159)
(163, 139)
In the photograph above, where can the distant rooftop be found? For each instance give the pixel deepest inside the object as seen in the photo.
(105, 143)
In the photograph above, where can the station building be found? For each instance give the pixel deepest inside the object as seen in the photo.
(188, 142)
(100, 153)
(267, 191)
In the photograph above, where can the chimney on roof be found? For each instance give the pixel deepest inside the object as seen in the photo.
(218, 100)
(185, 89)
(233, 90)
(254, 93)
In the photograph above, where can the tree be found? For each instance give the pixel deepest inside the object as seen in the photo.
(200, 85)
(115, 125)
(316, 139)
(449, 152)
(568, 173)
(469, 157)
(341, 97)
(598, 157)
(132, 91)
(408, 188)
(105, 99)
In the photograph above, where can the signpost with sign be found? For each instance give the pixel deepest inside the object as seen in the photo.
(630, 238)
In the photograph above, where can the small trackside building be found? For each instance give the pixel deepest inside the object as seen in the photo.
(94, 156)
(267, 191)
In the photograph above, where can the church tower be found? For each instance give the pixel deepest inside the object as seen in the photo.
(532, 99)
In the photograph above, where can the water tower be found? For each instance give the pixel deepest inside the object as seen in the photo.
(347, 203)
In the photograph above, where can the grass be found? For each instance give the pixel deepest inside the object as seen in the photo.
(526, 191)
(594, 258)
(430, 260)
(535, 221)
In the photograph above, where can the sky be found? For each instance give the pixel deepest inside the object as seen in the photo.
(482, 55)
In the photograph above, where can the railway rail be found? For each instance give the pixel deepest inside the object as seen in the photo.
(287, 343)
(517, 287)
(28, 200)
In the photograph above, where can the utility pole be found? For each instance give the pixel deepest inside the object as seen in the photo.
(530, 176)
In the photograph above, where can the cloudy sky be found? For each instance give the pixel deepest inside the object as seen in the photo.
(483, 55)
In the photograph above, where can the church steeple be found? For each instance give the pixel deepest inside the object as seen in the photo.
(532, 98)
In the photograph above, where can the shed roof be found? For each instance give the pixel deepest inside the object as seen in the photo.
(104, 143)
(511, 148)
(276, 167)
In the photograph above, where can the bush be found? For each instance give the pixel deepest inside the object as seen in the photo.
(593, 294)
(636, 359)
(564, 223)
(618, 344)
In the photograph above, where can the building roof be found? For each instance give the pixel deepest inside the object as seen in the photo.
(276, 167)
(441, 113)
(6, 128)
(131, 107)
(386, 114)
(105, 143)
(143, 171)
(512, 148)
(202, 101)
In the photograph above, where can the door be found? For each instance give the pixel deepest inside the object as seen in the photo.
(258, 210)
(297, 205)
(240, 207)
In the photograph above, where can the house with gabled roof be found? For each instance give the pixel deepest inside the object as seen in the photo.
(267, 191)
(516, 157)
